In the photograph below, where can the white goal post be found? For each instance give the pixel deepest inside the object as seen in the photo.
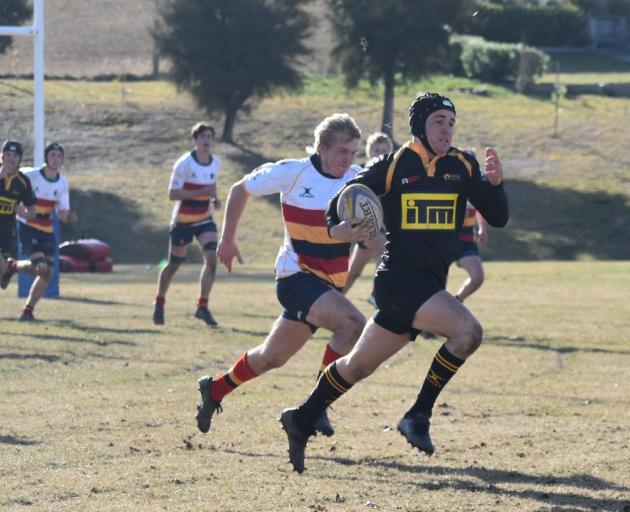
(37, 32)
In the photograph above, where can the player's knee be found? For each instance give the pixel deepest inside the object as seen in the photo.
(175, 261)
(474, 336)
(354, 324)
(210, 247)
(47, 274)
(477, 278)
(40, 266)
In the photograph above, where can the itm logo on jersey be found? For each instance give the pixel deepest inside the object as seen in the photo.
(428, 211)
(410, 179)
(6, 206)
(307, 192)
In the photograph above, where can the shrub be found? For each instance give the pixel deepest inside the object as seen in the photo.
(552, 24)
(498, 62)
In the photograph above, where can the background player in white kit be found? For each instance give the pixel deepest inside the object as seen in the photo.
(36, 234)
(193, 187)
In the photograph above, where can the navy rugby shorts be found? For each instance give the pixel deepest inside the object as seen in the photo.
(183, 234)
(33, 240)
(297, 293)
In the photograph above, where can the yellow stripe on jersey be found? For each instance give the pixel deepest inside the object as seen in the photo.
(390, 170)
(313, 234)
(338, 280)
(193, 217)
(465, 161)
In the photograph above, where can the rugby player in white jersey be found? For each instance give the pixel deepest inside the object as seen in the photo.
(193, 188)
(311, 267)
(36, 234)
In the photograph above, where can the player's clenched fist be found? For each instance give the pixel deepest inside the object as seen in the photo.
(494, 168)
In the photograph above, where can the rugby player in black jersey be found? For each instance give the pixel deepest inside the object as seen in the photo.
(15, 191)
(423, 188)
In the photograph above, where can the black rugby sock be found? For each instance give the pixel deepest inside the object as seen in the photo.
(443, 367)
(330, 386)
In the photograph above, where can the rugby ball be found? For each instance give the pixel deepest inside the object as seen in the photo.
(358, 201)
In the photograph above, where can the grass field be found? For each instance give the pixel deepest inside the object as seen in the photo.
(586, 67)
(98, 404)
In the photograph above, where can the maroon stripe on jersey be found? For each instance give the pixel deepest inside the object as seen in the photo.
(467, 237)
(303, 216)
(46, 202)
(187, 209)
(193, 186)
(333, 266)
(41, 222)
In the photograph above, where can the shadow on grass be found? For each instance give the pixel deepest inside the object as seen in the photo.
(490, 479)
(257, 315)
(248, 331)
(561, 224)
(487, 481)
(523, 343)
(24, 357)
(98, 329)
(118, 221)
(72, 339)
(87, 300)
(18, 441)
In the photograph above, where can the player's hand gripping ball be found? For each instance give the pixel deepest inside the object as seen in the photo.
(357, 201)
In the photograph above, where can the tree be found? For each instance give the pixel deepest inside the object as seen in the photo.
(392, 41)
(227, 53)
(13, 13)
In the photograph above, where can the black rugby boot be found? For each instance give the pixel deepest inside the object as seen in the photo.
(297, 439)
(158, 315)
(205, 315)
(323, 425)
(416, 430)
(208, 406)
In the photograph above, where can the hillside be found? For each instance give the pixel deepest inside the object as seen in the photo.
(569, 195)
(101, 44)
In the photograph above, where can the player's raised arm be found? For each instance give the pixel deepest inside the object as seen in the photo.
(487, 193)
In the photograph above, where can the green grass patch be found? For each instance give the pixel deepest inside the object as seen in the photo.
(586, 67)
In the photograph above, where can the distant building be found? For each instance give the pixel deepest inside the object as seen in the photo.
(608, 31)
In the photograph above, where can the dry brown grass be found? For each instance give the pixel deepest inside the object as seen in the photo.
(87, 39)
(98, 404)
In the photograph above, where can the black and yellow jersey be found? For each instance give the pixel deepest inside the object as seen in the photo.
(424, 204)
(14, 190)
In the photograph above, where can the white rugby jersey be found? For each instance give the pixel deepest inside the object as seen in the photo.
(189, 174)
(304, 194)
(50, 194)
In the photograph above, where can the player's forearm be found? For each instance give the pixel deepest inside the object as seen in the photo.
(234, 208)
(27, 212)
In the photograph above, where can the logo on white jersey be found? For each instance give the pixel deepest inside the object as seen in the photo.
(307, 192)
